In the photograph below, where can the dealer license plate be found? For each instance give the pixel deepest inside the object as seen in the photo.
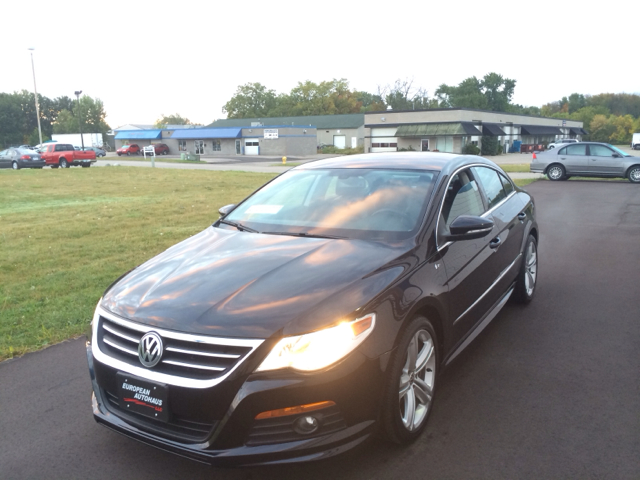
(143, 397)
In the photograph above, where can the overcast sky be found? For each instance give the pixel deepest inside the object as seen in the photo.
(144, 59)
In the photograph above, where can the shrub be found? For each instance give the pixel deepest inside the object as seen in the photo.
(342, 151)
(409, 149)
(470, 149)
(490, 146)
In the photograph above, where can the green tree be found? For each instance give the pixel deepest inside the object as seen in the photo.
(10, 130)
(402, 95)
(66, 122)
(601, 129)
(624, 127)
(251, 100)
(493, 92)
(174, 119)
(89, 111)
(498, 91)
(370, 102)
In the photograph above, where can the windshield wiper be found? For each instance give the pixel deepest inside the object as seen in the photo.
(240, 227)
(303, 234)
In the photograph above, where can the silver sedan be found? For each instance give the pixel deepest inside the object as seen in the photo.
(587, 159)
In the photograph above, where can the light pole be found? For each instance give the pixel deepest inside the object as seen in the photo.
(35, 90)
(78, 92)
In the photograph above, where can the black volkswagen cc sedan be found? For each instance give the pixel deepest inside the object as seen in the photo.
(317, 311)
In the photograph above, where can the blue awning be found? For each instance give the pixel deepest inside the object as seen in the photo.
(202, 133)
(139, 135)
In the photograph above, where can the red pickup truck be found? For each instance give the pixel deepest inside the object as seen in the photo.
(63, 155)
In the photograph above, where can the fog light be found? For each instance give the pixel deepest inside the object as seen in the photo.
(306, 425)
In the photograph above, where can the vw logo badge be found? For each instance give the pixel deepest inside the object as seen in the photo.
(150, 349)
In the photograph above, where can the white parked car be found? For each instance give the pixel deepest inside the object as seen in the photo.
(561, 141)
(635, 141)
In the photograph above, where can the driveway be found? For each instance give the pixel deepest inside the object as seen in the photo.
(551, 390)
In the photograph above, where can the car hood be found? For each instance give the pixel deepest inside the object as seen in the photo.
(239, 284)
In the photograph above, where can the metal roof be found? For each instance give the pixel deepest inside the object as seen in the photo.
(202, 133)
(432, 129)
(138, 134)
(348, 120)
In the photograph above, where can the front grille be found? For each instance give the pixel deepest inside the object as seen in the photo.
(280, 429)
(178, 427)
(185, 357)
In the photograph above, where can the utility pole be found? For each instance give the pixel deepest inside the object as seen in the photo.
(78, 92)
(35, 90)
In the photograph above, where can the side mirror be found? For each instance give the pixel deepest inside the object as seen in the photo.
(616, 155)
(469, 227)
(226, 210)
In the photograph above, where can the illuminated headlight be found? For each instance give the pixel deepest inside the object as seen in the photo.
(320, 349)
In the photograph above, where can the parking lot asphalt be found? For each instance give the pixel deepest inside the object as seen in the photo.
(550, 390)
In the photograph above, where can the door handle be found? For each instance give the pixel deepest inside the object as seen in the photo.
(495, 243)
(522, 216)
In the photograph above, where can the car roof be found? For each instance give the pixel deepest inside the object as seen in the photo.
(433, 161)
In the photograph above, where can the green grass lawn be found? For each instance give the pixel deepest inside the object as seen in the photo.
(523, 182)
(515, 167)
(65, 235)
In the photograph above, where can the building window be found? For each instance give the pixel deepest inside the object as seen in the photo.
(215, 145)
(182, 145)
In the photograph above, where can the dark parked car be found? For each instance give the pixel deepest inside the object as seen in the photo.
(161, 148)
(587, 159)
(18, 158)
(132, 149)
(323, 306)
(99, 152)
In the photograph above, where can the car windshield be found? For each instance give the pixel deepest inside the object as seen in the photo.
(354, 203)
(617, 150)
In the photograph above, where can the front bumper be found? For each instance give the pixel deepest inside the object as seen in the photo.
(354, 385)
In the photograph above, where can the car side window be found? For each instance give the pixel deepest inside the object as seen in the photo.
(462, 198)
(491, 183)
(600, 151)
(576, 150)
(506, 184)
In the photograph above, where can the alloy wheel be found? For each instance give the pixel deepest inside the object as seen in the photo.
(417, 380)
(634, 175)
(531, 268)
(555, 173)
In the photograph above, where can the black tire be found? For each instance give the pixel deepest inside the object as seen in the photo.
(634, 174)
(527, 279)
(63, 163)
(399, 377)
(128, 154)
(86, 166)
(118, 154)
(15, 166)
(165, 152)
(556, 172)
